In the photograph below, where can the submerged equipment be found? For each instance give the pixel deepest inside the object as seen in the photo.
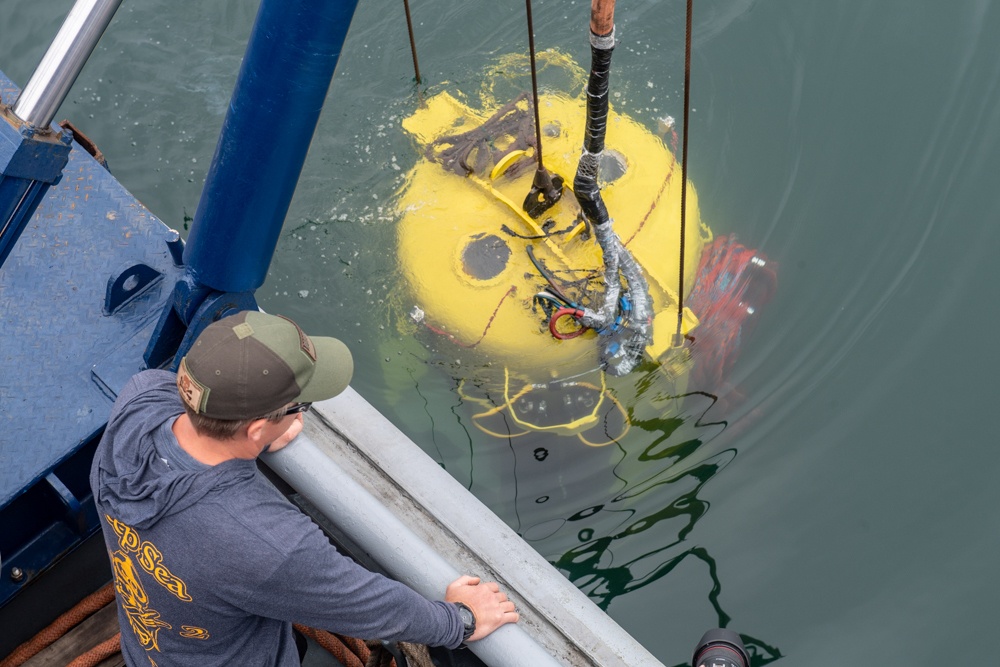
(544, 300)
(537, 294)
(555, 291)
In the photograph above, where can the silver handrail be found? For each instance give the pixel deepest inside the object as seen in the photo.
(62, 63)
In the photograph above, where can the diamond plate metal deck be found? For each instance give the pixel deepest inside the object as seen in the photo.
(52, 329)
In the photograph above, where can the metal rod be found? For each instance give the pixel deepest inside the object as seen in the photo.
(534, 86)
(678, 336)
(61, 65)
(602, 17)
(546, 188)
(413, 43)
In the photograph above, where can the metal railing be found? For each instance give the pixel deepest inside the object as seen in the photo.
(63, 62)
(422, 527)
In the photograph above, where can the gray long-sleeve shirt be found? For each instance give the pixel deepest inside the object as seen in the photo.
(212, 565)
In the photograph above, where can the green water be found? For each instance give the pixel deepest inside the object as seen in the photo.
(844, 513)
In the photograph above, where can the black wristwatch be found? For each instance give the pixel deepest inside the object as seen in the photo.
(468, 620)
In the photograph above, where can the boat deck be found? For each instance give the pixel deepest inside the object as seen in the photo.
(70, 336)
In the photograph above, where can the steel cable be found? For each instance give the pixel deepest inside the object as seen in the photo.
(679, 336)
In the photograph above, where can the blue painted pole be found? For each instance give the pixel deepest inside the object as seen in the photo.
(282, 85)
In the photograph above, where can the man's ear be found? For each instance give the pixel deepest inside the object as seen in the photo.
(255, 431)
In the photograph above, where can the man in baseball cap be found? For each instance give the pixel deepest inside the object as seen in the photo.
(211, 564)
(252, 364)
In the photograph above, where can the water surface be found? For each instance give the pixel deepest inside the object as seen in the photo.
(846, 501)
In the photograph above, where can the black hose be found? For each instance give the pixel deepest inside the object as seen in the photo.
(588, 194)
(598, 91)
(624, 316)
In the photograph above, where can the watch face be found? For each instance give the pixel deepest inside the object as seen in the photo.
(466, 615)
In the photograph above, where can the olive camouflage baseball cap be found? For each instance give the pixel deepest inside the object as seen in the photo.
(250, 364)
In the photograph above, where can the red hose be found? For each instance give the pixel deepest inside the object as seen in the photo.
(560, 313)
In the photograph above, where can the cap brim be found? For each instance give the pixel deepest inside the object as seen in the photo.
(334, 368)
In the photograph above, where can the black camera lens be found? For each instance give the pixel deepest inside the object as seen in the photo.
(720, 648)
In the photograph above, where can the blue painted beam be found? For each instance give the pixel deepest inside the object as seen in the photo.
(282, 85)
(71, 334)
(30, 161)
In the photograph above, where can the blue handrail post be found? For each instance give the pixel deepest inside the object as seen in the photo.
(282, 84)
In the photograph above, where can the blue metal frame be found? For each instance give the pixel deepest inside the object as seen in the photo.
(283, 82)
(73, 331)
(94, 290)
(29, 163)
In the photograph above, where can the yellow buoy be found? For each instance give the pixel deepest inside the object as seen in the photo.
(464, 238)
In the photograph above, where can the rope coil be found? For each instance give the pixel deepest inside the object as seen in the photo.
(59, 627)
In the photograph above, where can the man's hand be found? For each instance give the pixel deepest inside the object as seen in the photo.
(293, 430)
(490, 607)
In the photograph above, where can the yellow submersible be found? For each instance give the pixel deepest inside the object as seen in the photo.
(491, 278)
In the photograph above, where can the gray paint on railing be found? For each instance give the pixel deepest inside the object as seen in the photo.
(424, 529)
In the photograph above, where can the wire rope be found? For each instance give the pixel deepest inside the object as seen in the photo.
(534, 84)
(679, 336)
(413, 43)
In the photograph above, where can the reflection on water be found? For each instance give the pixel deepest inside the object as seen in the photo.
(615, 518)
(606, 565)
